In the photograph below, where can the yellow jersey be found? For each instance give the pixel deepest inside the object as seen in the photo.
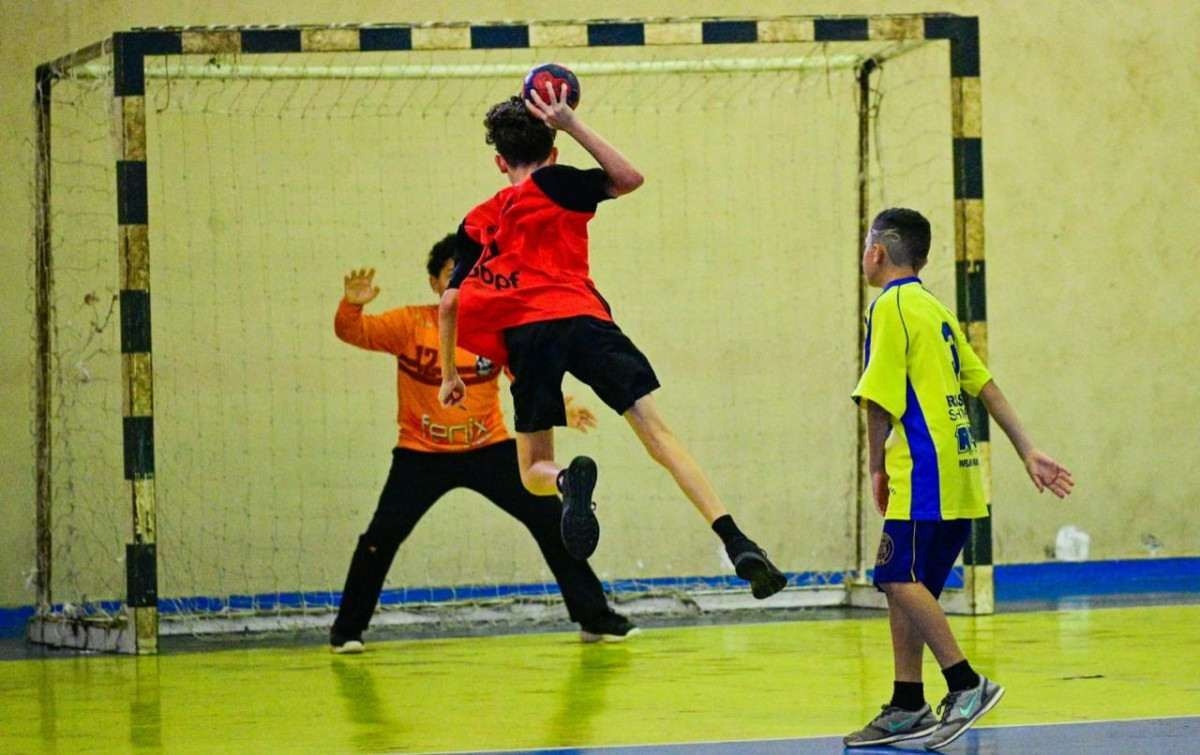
(918, 363)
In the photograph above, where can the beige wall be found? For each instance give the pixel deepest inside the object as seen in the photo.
(1092, 215)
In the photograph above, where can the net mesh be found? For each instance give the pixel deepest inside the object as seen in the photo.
(735, 269)
(90, 516)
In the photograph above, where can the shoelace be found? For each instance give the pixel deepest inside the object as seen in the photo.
(946, 706)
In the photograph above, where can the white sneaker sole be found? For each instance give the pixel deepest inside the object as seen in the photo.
(353, 647)
(916, 734)
(589, 638)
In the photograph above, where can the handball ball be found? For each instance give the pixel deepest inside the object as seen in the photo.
(555, 75)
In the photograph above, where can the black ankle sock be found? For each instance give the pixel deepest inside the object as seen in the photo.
(960, 676)
(908, 695)
(726, 529)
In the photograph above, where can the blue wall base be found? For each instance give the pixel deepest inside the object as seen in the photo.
(1048, 582)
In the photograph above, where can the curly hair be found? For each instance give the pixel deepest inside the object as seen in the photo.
(446, 249)
(518, 136)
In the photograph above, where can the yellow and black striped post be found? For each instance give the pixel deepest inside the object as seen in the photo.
(967, 132)
(141, 562)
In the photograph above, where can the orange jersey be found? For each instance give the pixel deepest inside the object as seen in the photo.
(411, 334)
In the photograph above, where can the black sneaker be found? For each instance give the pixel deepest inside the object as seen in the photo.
(345, 644)
(608, 627)
(751, 564)
(580, 530)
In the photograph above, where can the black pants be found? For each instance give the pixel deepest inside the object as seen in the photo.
(416, 481)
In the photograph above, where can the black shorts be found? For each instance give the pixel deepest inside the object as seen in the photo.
(595, 351)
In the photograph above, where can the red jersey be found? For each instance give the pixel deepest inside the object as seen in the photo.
(411, 335)
(532, 262)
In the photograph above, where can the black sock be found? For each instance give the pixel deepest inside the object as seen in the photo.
(908, 695)
(960, 676)
(726, 529)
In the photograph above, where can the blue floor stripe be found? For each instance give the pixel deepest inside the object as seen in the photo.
(1158, 735)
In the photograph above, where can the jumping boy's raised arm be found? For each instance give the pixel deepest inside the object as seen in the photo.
(554, 112)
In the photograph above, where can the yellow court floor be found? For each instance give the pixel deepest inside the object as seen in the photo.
(678, 685)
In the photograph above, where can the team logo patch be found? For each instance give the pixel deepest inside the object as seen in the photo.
(886, 549)
(484, 366)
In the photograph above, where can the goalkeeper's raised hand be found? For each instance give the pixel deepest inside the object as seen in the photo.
(360, 286)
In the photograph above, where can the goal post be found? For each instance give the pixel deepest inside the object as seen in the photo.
(129, 95)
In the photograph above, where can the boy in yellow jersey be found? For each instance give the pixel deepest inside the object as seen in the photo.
(925, 477)
(440, 449)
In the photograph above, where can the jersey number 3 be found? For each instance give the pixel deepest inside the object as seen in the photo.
(948, 334)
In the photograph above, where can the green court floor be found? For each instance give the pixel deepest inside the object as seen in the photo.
(678, 685)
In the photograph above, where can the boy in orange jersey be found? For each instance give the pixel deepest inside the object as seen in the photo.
(441, 449)
(527, 301)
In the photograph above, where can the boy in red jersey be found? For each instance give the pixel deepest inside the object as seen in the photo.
(441, 449)
(525, 299)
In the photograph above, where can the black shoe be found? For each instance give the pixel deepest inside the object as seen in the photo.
(580, 530)
(751, 564)
(608, 627)
(345, 644)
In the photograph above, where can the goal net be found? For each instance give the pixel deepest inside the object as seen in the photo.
(736, 269)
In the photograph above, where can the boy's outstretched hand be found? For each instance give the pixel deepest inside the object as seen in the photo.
(553, 111)
(360, 286)
(579, 417)
(1048, 474)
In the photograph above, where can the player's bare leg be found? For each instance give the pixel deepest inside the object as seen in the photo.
(539, 471)
(971, 695)
(907, 715)
(667, 450)
(541, 475)
(907, 647)
(925, 615)
(750, 561)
